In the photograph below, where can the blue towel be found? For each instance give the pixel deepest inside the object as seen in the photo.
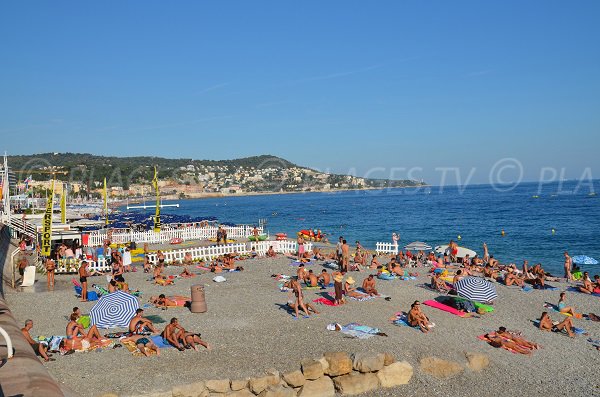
(403, 321)
(158, 341)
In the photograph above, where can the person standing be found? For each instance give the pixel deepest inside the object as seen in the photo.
(395, 239)
(300, 248)
(486, 254)
(127, 259)
(50, 270)
(345, 256)
(83, 275)
(338, 250)
(568, 264)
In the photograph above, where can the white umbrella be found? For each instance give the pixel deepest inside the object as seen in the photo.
(417, 246)
(462, 251)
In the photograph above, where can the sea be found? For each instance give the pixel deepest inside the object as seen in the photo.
(532, 221)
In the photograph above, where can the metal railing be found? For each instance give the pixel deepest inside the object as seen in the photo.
(8, 342)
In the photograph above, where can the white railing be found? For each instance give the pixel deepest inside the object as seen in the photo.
(71, 265)
(215, 251)
(8, 342)
(386, 248)
(96, 238)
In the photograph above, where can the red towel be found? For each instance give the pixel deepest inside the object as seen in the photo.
(325, 301)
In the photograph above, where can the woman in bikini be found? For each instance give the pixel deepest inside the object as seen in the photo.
(563, 308)
(498, 342)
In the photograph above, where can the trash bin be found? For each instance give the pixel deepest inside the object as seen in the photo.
(198, 301)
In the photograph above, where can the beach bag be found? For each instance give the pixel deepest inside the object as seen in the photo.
(84, 321)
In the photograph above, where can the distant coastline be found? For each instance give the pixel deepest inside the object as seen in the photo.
(202, 196)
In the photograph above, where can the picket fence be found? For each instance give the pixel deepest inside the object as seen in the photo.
(122, 236)
(71, 265)
(386, 248)
(208, 253)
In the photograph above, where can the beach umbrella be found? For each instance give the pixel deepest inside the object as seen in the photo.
(476, 289)
(584, 260)
(462, 251)
(114, 310)
(417, 246)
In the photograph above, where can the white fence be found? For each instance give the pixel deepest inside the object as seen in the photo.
(386, 248)
(208, 253)
(71, 265)
(121, 236)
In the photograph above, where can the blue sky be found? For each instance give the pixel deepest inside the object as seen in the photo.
(372, 88)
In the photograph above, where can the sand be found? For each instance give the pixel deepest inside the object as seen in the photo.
(250, 333)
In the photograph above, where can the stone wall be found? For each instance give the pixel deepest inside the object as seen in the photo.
(334, 373)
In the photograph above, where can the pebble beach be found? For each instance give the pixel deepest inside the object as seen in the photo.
(250, 332)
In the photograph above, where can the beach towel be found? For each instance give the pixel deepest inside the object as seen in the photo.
(325, 301)
(298, 263)
(362, 291)
(546, 287)
(445, 308)
(116, 335)
(134, 350)
(159, 342)
(402, 320)
(331, 265)
(363, 298)
(360, 331)
(308, 287)
(203, 267)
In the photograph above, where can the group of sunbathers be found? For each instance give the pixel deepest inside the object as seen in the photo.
(173, 334)
(510, 341)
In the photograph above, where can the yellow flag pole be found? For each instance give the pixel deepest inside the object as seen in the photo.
(105, 204)
(157, 213)
(63, 205)
(47, 225)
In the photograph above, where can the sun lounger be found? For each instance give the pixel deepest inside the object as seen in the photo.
(28, 277)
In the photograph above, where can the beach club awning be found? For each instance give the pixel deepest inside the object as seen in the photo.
(114, 310)
(417, 246)
(476, 289)
(584, 260)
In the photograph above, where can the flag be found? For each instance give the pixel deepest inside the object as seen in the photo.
(47, 225)
(157, 214)
(105, 203)
(63, 206)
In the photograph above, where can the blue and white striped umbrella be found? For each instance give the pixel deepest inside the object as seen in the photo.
(114, 310)
(476, 289)
(584, 260)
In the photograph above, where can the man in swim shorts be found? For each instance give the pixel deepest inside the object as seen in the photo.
(140, 325)
(38, 348)
(83, 275)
